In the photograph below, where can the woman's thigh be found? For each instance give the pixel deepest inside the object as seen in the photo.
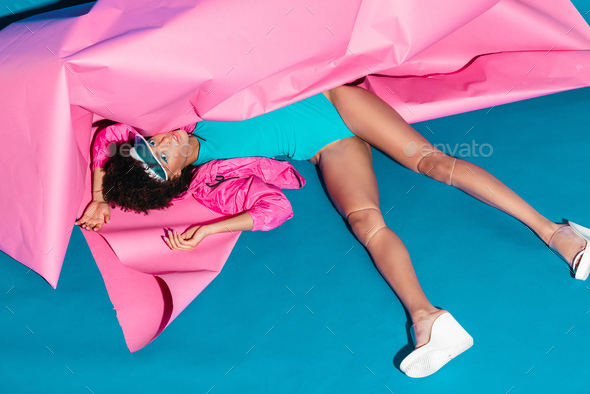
(373, 120)
(346, 166)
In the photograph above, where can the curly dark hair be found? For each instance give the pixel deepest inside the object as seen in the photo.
(128, 185)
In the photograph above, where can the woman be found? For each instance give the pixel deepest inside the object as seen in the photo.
(344, 160)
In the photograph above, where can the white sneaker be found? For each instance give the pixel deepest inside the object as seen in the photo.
(447, 340)
(583, 268)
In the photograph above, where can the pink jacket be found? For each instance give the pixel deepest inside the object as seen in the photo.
(229, 187)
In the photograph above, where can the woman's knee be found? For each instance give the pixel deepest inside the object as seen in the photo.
(365, 223)
(438, 165)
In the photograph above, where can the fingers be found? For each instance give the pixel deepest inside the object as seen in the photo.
(89, 224)
(85, 218)
(175, 241)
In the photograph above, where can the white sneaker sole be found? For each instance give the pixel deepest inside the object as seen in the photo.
(584, 266)
(447, 340)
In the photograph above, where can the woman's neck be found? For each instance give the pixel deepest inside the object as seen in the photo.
(195, 145)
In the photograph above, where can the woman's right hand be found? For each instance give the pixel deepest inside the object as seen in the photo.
(188, 240)
(95, 215)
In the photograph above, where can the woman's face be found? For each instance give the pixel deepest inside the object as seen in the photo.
(172, 150)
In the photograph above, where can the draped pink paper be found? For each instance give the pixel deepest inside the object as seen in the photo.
(159, 64)
(154, 284)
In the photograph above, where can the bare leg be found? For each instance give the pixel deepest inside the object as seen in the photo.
(376, 122)
(348, 174)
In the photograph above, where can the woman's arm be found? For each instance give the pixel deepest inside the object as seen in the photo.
(194, 235)
(97, 211)
(97, 192)
(255, 204)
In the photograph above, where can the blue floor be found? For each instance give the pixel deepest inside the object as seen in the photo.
(302, 309)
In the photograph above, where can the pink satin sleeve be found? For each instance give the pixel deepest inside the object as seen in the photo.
(251, 184)
(267, 204)
(275, 172)
(103, 147)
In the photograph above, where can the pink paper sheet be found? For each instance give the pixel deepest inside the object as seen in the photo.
(160, 64)
(154, 284)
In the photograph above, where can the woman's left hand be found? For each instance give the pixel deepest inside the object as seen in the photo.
(187, 240)
(95, 215)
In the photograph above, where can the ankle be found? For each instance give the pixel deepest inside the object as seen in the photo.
(425, 313)
(567, 243)
(549, 231)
